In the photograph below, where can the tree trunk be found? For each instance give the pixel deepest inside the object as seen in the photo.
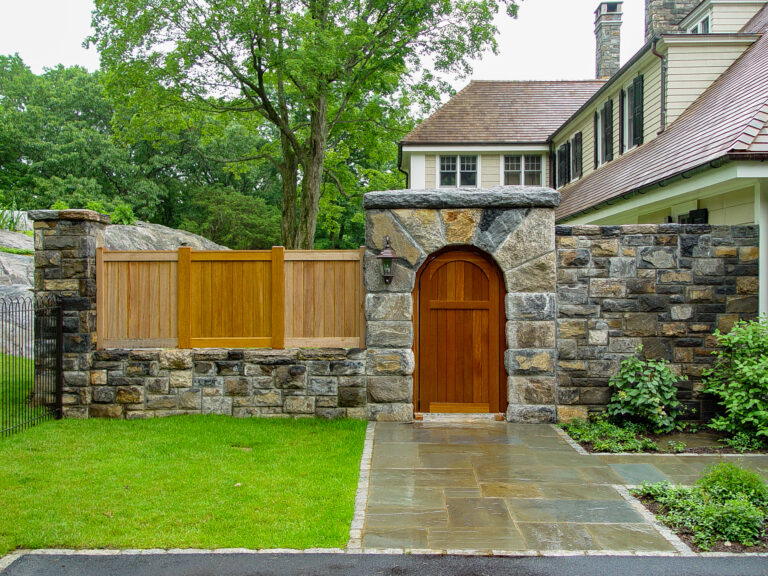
(289, 173)
(311, 185)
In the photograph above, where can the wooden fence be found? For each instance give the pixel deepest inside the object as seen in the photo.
(231, 299)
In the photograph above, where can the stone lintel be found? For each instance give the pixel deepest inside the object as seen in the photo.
(88, 215)
(497, 197)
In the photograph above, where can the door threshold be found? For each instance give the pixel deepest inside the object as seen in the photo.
(457, 417)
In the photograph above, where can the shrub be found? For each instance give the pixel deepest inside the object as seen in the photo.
(727, 504)
(606, 436)
(645, 393)
(59, 205)
(95, 205)
(122, 214)
(739, 379)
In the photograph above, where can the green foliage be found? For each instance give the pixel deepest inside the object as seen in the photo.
(676, 446)
(21, 251)
(727, 504)
(122, 214)
(10, 217)
(59, 205)
(235, 220)
(739, 379)
(645, 393)
(744, 442)
(606, 436)
(96, 206)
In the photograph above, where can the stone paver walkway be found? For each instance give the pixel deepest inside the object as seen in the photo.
(496, 486)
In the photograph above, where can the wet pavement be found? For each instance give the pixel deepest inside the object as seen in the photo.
(494, 486)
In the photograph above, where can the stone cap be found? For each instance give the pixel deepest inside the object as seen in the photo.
(497, 197)
(89, 215)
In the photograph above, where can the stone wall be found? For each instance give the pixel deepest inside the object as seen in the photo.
(328, 383)
(666, 287)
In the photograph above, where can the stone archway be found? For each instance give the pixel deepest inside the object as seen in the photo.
(516, 226)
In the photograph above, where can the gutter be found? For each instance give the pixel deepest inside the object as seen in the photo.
(664, 68)
(400, 165)
(684, 175)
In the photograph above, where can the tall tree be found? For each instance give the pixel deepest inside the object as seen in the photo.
(306, 67)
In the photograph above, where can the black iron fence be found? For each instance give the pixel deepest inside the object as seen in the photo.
(30, 362)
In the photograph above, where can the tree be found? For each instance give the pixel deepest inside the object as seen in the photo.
(307, 68)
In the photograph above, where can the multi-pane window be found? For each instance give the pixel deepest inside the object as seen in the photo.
(458, 171)
(522, 169)
(701, 27)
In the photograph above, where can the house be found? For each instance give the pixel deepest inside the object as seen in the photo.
(677, 134)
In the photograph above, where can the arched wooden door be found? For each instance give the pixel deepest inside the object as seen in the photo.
(459, 336)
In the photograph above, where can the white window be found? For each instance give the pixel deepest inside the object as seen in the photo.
(701, 27)
(628, 120)
(458, 171)
(522, 169)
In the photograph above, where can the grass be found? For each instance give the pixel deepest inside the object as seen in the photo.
(16, 380)
(20, 251)
(180, 482)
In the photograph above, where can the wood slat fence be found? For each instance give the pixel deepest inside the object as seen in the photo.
(230, 299)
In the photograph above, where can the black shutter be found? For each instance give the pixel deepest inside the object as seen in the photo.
(594, 146)
(568, 173)
(577, 156)
(608, 129)
(553, 169)
(622, 112)
(561, 162)
(637, 113)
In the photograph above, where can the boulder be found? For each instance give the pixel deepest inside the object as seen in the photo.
(147, 236)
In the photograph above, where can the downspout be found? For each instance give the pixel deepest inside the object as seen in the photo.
(400, 164)
(663, 86)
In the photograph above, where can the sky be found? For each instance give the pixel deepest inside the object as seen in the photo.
(550, 40)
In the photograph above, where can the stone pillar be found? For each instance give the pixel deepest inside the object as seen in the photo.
(515, 226)
(608, 38)
(65, 266)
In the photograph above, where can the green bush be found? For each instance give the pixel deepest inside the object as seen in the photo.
(644, 392)
(59, 205)
(96, 206)
(122, 214)
(606, 436)
(728, 504)
(739, 380)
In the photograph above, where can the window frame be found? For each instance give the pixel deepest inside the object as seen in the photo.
(698, 27)
(523, 168)
(457, 172)
(627, 121)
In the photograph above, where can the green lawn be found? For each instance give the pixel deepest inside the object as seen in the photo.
(16, 380)
(186, 481)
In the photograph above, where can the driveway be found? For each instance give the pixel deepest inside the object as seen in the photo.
(500, 487)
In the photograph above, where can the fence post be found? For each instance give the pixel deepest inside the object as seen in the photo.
(278, 297)
(184, 279)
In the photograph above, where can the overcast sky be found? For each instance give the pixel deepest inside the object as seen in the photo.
(550, 40)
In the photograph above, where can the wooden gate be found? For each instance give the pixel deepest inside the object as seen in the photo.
(459, 336)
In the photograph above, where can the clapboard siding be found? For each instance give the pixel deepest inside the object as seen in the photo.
(692, 69)
(730, 18)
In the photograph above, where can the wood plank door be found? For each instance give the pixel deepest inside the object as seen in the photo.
(459, 342)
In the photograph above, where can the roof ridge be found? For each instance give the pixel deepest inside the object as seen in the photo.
(761, 124)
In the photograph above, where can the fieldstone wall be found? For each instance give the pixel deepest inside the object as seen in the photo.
(666, 287)
(65, 267)
(515, 226)
(327, 383)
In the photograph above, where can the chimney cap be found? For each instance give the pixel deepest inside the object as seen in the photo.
(608, 8)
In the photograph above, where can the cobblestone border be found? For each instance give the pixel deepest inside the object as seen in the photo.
(571, 442)
(361, 498)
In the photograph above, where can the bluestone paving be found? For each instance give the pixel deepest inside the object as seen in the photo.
(487, 486)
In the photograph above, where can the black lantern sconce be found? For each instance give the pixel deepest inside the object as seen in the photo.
(387, 255)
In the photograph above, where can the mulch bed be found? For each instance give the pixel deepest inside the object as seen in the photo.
(687, 537)
(661, 439)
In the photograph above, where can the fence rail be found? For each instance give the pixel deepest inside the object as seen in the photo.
(30, 362)
(241, 299)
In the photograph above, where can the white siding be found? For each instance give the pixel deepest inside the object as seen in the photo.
(489, 165)
(736, 207)
(692, 69)
(430, 174)
(417, 173)
(730, 18)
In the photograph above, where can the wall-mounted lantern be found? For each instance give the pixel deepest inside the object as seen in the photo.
(387, 255)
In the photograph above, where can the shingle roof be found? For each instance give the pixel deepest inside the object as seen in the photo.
(488, 112)
(728, 118)
(759, 22)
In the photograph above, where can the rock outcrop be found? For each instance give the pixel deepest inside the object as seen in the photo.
(147, 236)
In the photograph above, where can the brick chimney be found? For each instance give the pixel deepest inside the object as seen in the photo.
(663, 16)
(608, 36)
